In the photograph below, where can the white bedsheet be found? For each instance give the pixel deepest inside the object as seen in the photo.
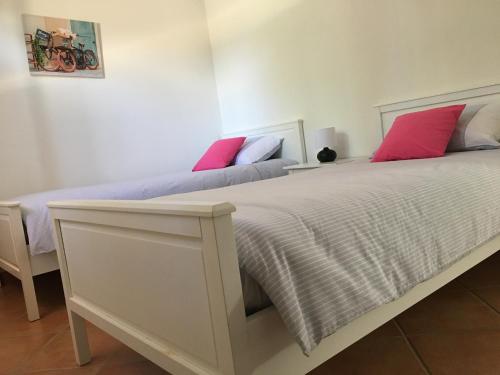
(334, 243)
(36, 214)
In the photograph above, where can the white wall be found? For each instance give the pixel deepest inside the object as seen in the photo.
(330, 61)
(155, 111)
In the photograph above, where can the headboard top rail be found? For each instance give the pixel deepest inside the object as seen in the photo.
(475, 96)
(294, 145)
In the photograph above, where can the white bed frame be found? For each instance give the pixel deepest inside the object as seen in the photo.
(182, 306)
(294, 145)
(480, 95)
(16, 258)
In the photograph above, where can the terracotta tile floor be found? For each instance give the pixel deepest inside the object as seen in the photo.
(454, 331)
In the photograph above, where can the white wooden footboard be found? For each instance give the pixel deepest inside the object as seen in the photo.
(14, 256)
(154, 278)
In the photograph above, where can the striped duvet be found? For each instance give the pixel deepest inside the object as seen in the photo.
(334, 243)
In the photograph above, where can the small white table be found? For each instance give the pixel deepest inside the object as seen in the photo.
(299, 168)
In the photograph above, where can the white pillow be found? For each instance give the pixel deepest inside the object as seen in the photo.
(478, 128)
(258, 149)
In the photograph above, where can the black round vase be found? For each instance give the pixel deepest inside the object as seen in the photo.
(327, 156)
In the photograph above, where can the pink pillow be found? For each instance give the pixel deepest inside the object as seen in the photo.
(220, 154)
(420, 135)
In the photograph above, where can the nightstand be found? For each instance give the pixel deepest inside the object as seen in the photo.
(299, 168)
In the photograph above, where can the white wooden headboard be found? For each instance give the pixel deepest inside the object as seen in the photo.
(475, 98)
(294, 145)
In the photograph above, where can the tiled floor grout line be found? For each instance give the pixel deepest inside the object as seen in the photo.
(103, 364)
(29, 361)
(417, 356)
(29, 357)
(482, 300)
(21, 369)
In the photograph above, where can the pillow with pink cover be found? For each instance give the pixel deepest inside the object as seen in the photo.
(419, 135)
(220, 154)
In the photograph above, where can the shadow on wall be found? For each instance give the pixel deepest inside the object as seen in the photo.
(273, 62)
(139, 121)
(19, 151)
(249, 15)
(342, 145)
(57, 125)
(37, 117)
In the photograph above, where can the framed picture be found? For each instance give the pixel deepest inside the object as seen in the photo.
(63, 47)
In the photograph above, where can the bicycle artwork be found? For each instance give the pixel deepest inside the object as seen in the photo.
(73, 50)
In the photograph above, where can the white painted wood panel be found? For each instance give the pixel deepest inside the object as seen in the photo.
(43, 263)
(475, 96)
(294, 145)
(7, 253)
(172, 267)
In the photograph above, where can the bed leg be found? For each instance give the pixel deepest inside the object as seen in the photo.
(30, 297)
(22, 269)
(80, 339)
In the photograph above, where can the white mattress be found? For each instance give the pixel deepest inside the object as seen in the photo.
(331, 244)
(36, 214)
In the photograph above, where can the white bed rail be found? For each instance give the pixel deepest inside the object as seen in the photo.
(14, 257)
(152, 275)
(8, 257)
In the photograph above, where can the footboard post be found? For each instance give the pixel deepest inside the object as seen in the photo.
(14, 256)
(80, 339)
(76, 322)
